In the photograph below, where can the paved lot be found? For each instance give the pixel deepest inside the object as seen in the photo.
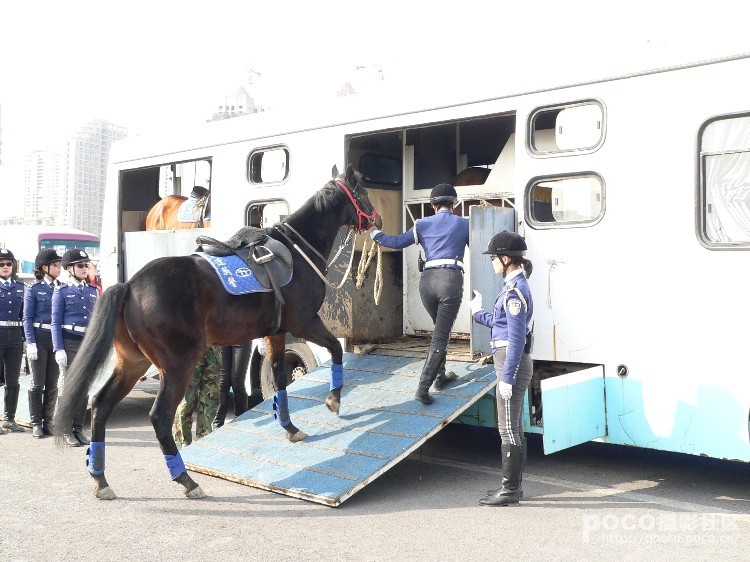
(592, 502)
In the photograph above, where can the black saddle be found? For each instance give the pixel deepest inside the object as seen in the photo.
(267, 258)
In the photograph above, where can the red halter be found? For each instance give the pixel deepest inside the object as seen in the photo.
(360, 213)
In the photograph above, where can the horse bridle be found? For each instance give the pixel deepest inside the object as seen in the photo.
(361, 215)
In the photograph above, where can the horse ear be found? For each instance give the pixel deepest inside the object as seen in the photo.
(350, 174)
(335, 171)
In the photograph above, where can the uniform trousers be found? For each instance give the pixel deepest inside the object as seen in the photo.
(44, 370)
(509, 412)
(442, 290)
(72, 344)
(11, 352)
(234, 360)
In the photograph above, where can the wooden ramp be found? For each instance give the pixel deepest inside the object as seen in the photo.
(379, 425)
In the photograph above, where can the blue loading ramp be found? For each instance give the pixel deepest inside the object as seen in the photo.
(379, 425)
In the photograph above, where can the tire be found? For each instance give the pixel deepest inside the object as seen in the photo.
(298, 361)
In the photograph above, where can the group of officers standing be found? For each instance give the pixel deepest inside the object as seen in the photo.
(52, 318)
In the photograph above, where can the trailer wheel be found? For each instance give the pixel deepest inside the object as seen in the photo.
(298, 361)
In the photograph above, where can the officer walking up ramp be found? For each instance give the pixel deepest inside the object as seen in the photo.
(379, 425)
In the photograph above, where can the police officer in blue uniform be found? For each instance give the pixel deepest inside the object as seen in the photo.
(37, 325)
(11, 336)
(72, 307)
(444, 237)
(510, 324)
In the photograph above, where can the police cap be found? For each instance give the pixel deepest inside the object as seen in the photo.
(443, 193)
(7, 254)
(74, 255)
(506, 244)
(46, 257)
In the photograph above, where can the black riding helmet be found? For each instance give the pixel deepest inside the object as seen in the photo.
(443, 193)
(46, 257)
(73, 256)
(7, 254)
(506, 244)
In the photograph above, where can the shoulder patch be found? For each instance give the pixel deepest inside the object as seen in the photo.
(514, 307)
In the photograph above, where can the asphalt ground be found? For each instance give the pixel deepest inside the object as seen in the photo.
(591, 502)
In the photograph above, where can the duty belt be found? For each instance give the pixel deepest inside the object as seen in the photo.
(8, 323)
(74, 328)
(498, 344)
(438, 263)
(40, 325)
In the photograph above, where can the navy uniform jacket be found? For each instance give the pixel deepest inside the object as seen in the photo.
(510, 320)
(443, 236)
(37, 307)
(72, 305)
(11, 301)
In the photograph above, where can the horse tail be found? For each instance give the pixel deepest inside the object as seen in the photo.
(95, 348)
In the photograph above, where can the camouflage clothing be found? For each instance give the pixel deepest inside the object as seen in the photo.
(201, 396)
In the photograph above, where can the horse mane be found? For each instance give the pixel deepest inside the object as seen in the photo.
(322, 201)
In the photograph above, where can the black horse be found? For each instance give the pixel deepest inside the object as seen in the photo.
(173, 307)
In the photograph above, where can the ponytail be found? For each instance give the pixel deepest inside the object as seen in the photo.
(528, 267)
(523, 262)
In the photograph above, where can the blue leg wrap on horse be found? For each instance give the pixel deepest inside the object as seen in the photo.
(95, 458)
(175, 465)
(337, 375)
(281, 408)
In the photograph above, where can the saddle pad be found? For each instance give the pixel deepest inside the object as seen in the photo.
(185, 212)
(236, 276)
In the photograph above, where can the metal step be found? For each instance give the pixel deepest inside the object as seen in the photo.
(379, 425)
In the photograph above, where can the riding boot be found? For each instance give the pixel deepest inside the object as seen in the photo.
(221, 412)
(444, 378)
(49, 402)
(429, 372)
(524, 456)
(240, 403)
(78, 425)
(11, 402)
(35, 409)
(511, 475)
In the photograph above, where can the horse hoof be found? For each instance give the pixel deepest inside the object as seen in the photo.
(294, 437)
(105, 493)
(196, 493)
(333, 404)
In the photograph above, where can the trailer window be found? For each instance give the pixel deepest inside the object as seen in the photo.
(262, 214)
(269, 165)
(570, 200)
(561, 129)
(725, 182)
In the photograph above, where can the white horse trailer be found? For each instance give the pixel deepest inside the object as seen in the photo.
(633, 194)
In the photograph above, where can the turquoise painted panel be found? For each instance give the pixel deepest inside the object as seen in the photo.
(573, 409)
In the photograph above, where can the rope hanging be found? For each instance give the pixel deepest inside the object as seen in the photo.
(364, 263)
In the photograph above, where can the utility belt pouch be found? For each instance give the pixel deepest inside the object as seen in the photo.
(420, 263)
(529, 346)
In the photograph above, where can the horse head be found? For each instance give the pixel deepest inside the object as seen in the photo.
(365, 215)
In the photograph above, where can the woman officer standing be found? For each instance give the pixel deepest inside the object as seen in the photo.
(37, 323)
(72, 307)
(11, 336)
(510, 322)
(444, 237)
